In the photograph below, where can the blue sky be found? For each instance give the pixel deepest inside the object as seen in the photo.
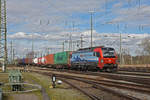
(55, 17)
(22, 18)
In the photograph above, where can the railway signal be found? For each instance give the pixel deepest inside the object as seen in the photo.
(53, 80)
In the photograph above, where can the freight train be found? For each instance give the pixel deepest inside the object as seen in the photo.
(96, 58)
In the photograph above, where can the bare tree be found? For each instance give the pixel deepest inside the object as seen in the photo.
(145, 44)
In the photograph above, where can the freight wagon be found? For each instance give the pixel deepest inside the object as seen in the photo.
(35, 61)
(46, 61)
(49, 59)
(28, 61)
(62, 59)
(39, 61)
(21, 61)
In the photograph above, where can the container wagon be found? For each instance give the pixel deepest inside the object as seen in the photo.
(49, 60)
(62, 60)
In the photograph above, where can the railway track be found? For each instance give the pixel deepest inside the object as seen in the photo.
(133, 73)
(140, 78)
(94, 85)
(107, 84)
(91, 96)
(136, 69)
(100, 86)
(120, 84)
(124, 72)
(111, 83)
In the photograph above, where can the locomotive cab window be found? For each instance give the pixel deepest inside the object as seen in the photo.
(94, 54)
(97, 54)
(108, 52)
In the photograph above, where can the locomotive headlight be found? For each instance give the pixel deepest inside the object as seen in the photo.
(102, 60)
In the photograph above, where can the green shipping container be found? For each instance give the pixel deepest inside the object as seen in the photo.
(62, 58)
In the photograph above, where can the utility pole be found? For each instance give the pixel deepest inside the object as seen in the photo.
(81, 41)
(41, 53)
(73, 45)
(91, 12)
(48, 51)
(13, 53)
(32, 52)
(3, 35)
(131, 60)
(70, 40)
(32, 43)
(70, 37)
(118, 26)
(63, 44)
(11, 44)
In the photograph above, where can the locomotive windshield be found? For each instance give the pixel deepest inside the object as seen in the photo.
(108, 52)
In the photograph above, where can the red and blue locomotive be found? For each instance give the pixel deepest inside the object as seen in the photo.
(95, 58)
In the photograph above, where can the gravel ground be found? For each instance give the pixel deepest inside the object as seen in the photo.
(100, 93)
(134, 93)
(45, 95)
(25, 97)
(104, 95)
(43, 92)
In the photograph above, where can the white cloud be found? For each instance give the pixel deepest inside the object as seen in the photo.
(28, 13)
(22, 35)
(118, 5)
(129, 41)
(132, 16)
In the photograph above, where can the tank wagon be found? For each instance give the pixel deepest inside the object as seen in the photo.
(96, 58)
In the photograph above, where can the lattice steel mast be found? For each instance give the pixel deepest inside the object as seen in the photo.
(3, 35)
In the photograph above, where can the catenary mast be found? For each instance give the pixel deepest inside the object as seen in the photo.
(3, 35)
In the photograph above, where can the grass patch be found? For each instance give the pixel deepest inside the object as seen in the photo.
(4, 77)
(29, 79)
(61, 92)
(8, 97)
